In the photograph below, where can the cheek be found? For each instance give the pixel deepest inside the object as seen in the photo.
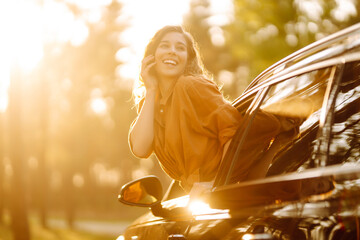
(157, 56)
(186, 61)
(157, 53)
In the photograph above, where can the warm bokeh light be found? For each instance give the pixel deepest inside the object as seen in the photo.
(105, 176)
(99, 106)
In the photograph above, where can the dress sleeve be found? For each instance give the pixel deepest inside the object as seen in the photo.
(210, 114)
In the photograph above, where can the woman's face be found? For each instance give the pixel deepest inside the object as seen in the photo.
(171, 56)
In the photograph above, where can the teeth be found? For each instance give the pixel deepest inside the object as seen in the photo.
(168, 61)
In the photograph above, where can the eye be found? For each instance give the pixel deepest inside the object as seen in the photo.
(163, 45)
(181, 48)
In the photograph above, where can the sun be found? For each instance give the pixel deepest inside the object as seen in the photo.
(21, 40)
(21, 26)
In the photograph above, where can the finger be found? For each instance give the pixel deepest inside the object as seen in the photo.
(147, 60)
(146, 68)
(150, 65)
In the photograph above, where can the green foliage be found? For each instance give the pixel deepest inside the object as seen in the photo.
(263, 32)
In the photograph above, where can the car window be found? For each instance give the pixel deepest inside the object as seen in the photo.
(343, 145)
(297, 103)
(290, 109)
(298, 97)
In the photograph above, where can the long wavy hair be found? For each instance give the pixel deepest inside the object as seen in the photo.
(194, 65)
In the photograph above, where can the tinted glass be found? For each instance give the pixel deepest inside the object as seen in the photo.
(344, 143)
(297, 103)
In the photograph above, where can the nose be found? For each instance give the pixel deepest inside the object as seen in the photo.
(172, 49)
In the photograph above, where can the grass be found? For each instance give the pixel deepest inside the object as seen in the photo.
(39, 233)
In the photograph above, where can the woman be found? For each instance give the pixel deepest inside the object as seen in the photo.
(182, 116)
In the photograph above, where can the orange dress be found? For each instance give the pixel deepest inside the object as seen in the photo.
(192, 124)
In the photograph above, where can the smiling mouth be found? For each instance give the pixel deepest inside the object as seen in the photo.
(170, 62)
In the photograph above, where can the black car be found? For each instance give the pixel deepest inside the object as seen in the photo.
(311, 187)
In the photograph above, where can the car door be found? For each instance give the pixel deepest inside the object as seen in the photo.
(323, 106)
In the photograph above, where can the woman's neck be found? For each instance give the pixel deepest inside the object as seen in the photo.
(166, 84)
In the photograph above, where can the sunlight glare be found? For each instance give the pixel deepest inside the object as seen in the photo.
(22, 38)
(203, 211)
(197, 207)
(81, 33)
(4, 84)
(248, 237)
(3, 102)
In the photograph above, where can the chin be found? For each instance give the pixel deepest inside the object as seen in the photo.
(171, 75)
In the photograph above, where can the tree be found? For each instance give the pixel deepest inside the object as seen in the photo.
(2, 194)
(18, 199)
(263, 32)
(83, 135)
(42, 170)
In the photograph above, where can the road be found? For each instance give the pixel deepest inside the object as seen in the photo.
(97, 227)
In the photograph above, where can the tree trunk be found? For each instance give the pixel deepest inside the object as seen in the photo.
(43, 177)
(69, 200)
(1, 168)
(18, 201)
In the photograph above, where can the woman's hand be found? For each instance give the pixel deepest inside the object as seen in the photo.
(148, 73)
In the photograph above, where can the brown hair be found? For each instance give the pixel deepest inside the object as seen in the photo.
(194, 66)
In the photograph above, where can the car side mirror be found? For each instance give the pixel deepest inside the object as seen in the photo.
(143, 192)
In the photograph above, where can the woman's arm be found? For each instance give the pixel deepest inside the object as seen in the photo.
(141, 135)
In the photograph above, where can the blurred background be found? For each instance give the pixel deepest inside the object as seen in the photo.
(67, 68)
